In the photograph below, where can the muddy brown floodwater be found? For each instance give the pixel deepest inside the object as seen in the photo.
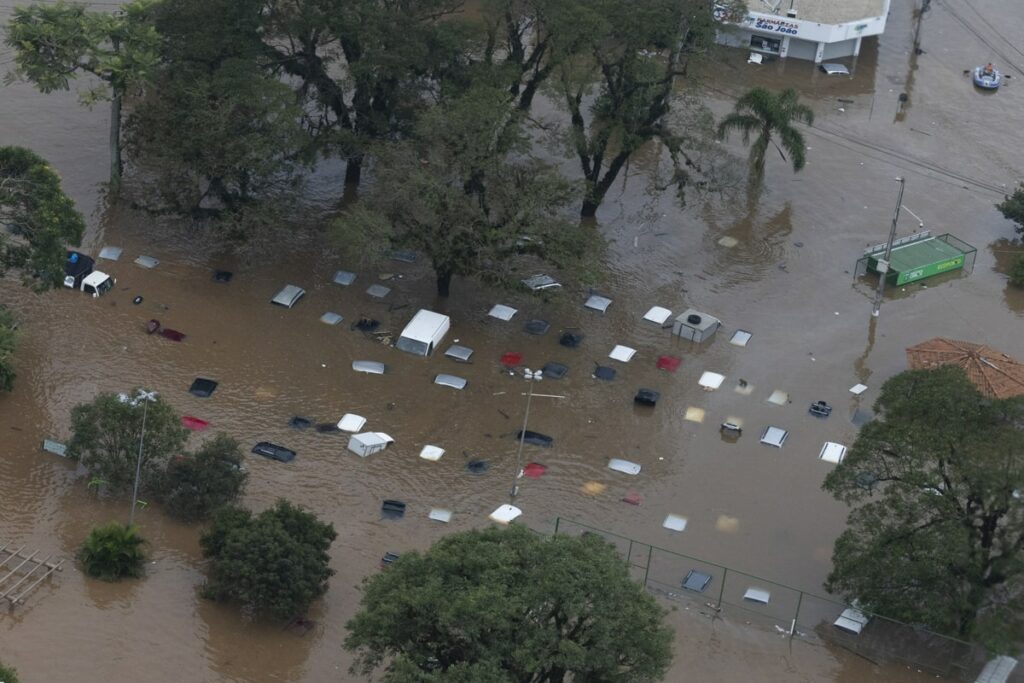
(787, 280)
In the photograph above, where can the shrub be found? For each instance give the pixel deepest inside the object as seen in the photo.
(112, 552)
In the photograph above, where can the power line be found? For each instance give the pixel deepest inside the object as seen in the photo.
(981, 37)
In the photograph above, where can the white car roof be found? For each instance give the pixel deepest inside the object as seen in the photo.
(424, 325)
(95, 278)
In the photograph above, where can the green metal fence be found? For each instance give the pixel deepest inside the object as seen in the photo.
(792, 611)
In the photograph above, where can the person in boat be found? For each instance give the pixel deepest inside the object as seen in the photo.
(988, 69)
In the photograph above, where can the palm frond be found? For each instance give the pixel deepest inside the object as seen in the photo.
(793, 142)
(744, 123)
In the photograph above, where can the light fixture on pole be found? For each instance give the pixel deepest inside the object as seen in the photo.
(146, 397)
(882, 265)
(531, 376)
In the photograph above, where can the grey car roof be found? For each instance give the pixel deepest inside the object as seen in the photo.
(450, 381)
(368, 366)
(288, 295)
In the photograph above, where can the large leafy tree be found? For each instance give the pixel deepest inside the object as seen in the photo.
(200, 483)
(41, 221)
(106, 434)
(219, 134)
(510, 606)
(771, 116)
(937, 533)
(364, 67)
(463, 191)
(55, 43)
(620, 88)
(273, 563)
(1012, 208)
(8, 342)
(113, 551)
(8, 674)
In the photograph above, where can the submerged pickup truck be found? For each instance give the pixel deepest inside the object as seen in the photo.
(80, 274)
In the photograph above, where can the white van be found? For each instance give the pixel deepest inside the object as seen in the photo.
(423, 333)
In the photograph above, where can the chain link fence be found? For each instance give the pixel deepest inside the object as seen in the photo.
(761, 603)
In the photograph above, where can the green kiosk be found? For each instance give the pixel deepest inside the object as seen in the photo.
(918, 257)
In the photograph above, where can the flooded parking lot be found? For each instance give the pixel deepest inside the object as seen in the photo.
(787, 280)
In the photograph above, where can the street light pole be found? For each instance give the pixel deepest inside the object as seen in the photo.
(531, 377)
(883, 266)
(145, 397)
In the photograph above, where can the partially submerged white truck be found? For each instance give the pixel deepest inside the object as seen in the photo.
(80, 274)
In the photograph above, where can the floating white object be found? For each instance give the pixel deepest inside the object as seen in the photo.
(852, 620)
(440, 515)
(147, 262)
(754, 58)
(331, 318)
(432, 453)
(740, 338)
(694, 414)
(369, 443)
(711, 380)
(779, 397)
(658, 315)
(832, 452)
(502, 312)
(774, 436)
(745, 389)
(728, 242)
(675, 522)
(505, 514)
(344, 278)
(757, 595)
(622, 353)
(624, 466)
(378, 291)
(350, 422)
(597, 302)
(111, 253)
(858, 389)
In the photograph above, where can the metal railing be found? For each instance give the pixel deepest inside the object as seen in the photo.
(792, 611)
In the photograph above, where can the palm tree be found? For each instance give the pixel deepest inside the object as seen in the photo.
(112, 552)
(769, 114)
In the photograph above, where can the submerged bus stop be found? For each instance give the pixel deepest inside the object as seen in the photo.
(917, 257)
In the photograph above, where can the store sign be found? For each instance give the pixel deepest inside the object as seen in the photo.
(776, 25)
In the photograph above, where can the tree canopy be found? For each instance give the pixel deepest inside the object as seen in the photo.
(55, 43)
(938, 531)
(112, 552)
(8, 674)
(463, 191)
(510, 606)
(8, 342)
(41, 220)
(1012, 208)
(105, 436)
(769, 115)
(198, 484)
(272, 563)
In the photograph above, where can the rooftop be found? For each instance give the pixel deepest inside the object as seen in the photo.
(822, 11)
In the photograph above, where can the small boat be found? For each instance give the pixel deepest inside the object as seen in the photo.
(987, 77)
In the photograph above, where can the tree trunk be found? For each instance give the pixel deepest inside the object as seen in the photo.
(444, 283)
(589, 209)
(115, 142)
(353, 171)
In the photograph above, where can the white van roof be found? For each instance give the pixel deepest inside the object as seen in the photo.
(95, 278)
(424, 326)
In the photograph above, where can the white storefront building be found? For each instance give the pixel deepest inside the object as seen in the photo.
(816, 30)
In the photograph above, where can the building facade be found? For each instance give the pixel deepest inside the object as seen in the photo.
(817, 30)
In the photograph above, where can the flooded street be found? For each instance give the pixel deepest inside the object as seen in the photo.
(788, 281)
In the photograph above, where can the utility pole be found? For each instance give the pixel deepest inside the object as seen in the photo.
(146, 397)
(531, 377)
(882, 265)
